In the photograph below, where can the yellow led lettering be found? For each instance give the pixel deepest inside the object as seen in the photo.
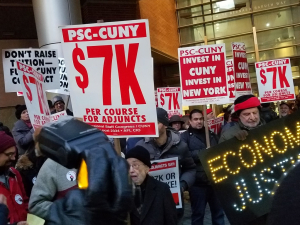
(292, 139)
(274, 145)
(241, 156)
(261, 149)
(226, 164)
(213, 169)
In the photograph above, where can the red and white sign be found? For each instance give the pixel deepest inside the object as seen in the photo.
(34, 95)
(55, 117)
(275, 80)
(167, 171)
(169, 98)
(216, 124)
(203, 75)
(19, 93)
(230, 80)
(110, 74)
(241, 70)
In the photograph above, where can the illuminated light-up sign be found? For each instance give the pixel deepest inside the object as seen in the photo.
(245, 173)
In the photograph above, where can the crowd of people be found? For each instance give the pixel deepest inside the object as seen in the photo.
(30, 182)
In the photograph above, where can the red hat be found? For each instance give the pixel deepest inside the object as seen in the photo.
(249, 103)
(208, 111)
(6, 141)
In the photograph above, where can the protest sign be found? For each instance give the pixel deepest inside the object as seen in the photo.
(169, 98)
(43, 61)
(55, 117)
(34, 95)
(156, 100)
(216, 124)
(275, 80)
(167, 171)
(245, 173)
(203, 75)
(111, 76)
(241, 70)
(64, 84)
(230, 80)
(19, 93)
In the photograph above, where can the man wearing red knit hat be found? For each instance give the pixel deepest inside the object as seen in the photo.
(247, 110)
(11, 185)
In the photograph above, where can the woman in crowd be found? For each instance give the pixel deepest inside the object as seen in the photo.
(22, 130)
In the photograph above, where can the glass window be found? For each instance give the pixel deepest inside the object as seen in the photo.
(258, 5)
(184, 3)
(229, 27)
(278, 53)
(190, 16)
(191, 34)
(278, 38)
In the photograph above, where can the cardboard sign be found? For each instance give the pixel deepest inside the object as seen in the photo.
(64, 84)
(203, 75)
(169, 98)
(216, 124)
(241, 69)
(43, 61)
(34, 95)
(167, 171)
(245, 173)
(55, 117)
(230, 80)
(275, 80)
(111, 76)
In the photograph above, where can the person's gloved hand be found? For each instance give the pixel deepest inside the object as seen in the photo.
(108, 193)
(241, 135)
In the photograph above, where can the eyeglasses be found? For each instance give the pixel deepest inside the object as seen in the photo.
(9, 155)
(135, 166)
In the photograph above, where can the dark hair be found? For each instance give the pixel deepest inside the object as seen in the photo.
(265, 105)
(194, 111)
(50, 104)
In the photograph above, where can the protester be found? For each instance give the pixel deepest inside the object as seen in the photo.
(59, 105)
(201, 192)
(247, 111)
(169, 145)
(29, 166)
(285, 109)
(153, 201)
(210, 114)
(53, 182)
(267, 113)
(22, 130)
(186, 121)
(5, 129)
(176, 123)
(11, 185)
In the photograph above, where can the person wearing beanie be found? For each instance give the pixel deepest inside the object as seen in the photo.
(285, 109)
(153, 201)
(22, 130)
(210, 114)
(11, 185)
(202, 192)
(247, 110)
(176, 122)
(59, 106)
(168, 145)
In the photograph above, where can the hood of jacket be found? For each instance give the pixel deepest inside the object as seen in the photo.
(173, 138)
(24, 163)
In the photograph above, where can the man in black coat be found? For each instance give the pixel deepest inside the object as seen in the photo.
(153, 201)
(201, 192)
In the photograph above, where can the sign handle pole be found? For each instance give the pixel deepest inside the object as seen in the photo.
(278, 106)
(117, 145)
(205, 115)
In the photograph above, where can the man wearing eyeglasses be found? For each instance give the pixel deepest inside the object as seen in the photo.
(11, 185)
(153, 201)
(59, 105)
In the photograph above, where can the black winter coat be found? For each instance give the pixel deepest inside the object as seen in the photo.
(174, 147)
(158, 207)
(268, 114)
(196, 143)
(3, 214)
